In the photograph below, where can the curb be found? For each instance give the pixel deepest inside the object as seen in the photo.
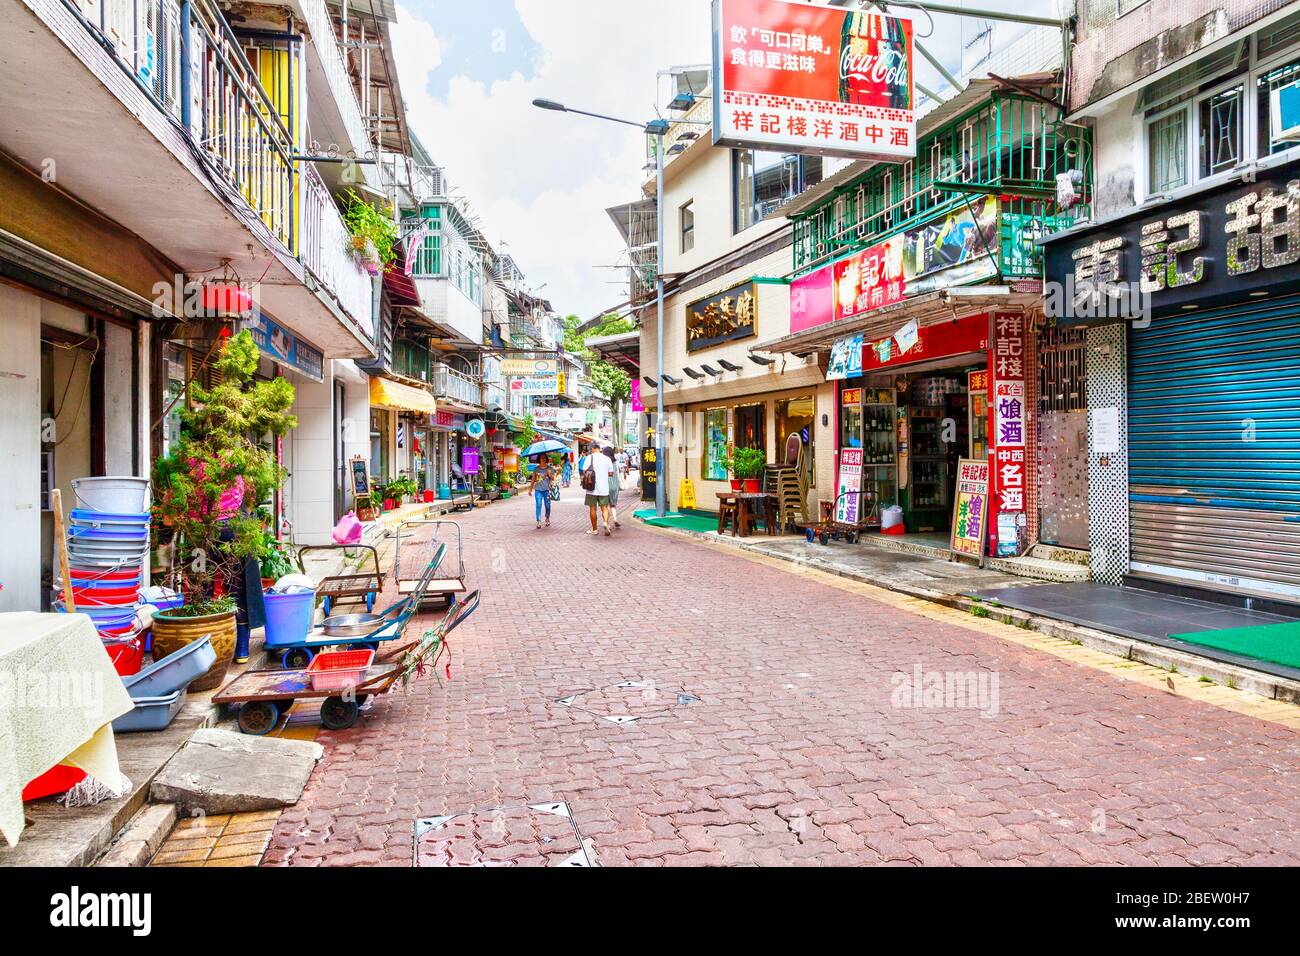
(1188, 664)
(142, 836)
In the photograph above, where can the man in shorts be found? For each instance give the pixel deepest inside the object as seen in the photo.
(602, 466)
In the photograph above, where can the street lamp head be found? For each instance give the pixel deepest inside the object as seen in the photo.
(550, 105)
(658, 127)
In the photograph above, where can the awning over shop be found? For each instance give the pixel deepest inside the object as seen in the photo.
(398, 281)
(386, 393)
(927, 309)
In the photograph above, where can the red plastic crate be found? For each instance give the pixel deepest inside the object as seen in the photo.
(338, 670)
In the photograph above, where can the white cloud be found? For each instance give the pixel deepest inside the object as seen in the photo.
(541, 180)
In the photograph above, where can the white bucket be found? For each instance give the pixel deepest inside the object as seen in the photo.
(891, 516)
(119, 496)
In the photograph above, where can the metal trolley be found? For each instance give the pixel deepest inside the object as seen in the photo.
(450, 579)
(828, 527)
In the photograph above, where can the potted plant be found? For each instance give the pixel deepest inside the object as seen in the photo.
(373, 233)
(207, 490)
(746, 466)
(277, 561)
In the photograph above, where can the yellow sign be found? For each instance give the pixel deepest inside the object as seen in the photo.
(686, 495)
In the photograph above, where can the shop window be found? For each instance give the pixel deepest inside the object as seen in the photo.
(687, 217)
(1269, 86)
(1220, 130)
(765, 181)
(795, 427)
(751, 427)
(715, 445)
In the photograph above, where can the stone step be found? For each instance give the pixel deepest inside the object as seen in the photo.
(1040, 569)
(1052, 552)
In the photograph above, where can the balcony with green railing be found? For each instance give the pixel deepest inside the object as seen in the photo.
(1010, 146)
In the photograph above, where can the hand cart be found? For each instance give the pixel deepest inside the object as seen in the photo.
(828, 527)
(351, 589)
(358, 631)
(450, 580)
(265, 696)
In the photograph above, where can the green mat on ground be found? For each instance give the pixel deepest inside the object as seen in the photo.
(674, 519)
(1277, 643)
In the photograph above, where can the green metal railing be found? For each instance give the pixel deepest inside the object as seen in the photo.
(1012, 146)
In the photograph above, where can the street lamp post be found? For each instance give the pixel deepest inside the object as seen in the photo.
(658, 129)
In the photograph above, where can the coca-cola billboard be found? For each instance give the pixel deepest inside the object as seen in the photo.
(805, 78)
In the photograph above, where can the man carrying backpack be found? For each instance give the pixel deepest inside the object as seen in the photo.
(597, 472)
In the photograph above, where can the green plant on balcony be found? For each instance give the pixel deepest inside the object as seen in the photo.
(374, 233)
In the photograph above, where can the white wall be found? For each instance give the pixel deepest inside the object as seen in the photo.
(309, 456)
(20, 446)
(118, 358)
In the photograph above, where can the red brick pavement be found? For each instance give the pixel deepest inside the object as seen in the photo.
(793, 753)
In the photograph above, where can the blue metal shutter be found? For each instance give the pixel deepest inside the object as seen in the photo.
(1214, 448)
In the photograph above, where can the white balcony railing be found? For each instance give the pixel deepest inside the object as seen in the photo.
(325, 252)
(456, 386)
(327, 48)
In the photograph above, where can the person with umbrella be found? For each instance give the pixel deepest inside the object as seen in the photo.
(540, 481)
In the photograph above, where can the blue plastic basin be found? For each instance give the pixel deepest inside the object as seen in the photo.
(150, 713)
(174, 672)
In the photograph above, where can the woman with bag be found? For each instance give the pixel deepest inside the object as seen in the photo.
(539, 483)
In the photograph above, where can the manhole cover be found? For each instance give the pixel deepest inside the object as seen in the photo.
(538, 834)
(628, 701)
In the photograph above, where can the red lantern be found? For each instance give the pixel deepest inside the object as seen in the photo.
(226, 299)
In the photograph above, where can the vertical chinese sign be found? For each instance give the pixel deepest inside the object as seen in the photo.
(809, 78)
(848, 505)
(970, 508)
(1010, 418)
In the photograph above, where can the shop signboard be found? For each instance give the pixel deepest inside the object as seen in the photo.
(542, 386)
(469, 460)
(285, 349)
(1010, 423)
(970, 508)
(570, 419)
(530, 368)
(724, 317)
(848, 493)
(1216, 247)
(966, 335)
(649, 477)
(956, 249)
(846, 358)
(809, 78)
(635, 397)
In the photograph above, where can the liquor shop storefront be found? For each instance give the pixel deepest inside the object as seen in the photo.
(1202, 298)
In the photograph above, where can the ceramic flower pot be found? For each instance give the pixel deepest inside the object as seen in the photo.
(170, 634)
(751, 486)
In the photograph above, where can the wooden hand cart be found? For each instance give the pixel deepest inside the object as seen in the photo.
(388, 626)
(351, 589)
(450, 580)
(263, 697)
(828, 527)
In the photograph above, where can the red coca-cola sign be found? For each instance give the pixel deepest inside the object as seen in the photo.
(803, 77)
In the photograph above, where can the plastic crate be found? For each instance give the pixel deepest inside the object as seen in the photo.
(338, 670)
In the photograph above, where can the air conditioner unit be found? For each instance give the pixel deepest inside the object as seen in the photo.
(1285, 112)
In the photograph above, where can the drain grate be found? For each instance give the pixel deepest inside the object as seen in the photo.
(628, 701)
(536, 834)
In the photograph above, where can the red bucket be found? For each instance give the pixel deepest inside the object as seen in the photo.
(127, 656)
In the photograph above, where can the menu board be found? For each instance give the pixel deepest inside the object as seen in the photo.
(970, 514)
(848, 495)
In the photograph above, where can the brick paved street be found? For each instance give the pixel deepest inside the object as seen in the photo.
(766, 731)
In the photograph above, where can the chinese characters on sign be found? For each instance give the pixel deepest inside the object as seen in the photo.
(815, 79)
(970, 508)
(1010, 416)
(869, 279)
(848, 505)
(722, 318)
(1215, 247)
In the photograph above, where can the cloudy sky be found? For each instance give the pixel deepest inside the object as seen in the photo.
(541, 181)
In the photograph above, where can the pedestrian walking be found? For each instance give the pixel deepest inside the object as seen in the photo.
(615, 486)
(596, 472)
(567, 475)
(540, 484)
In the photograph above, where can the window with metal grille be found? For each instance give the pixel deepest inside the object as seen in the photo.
(686, 216)
(1167, 152)
(1220, 130)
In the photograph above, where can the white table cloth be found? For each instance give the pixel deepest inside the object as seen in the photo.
(59, 695)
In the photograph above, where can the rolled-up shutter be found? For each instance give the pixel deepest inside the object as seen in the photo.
(1214, 448)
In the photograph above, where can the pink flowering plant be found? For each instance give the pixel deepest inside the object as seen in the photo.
(208, 489)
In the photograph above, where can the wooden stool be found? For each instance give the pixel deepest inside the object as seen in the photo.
(728, 513)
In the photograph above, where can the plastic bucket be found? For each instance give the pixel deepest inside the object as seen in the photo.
(113, 495)
(288, 617)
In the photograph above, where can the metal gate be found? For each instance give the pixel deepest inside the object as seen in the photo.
(1214, 448)
(1062, 438)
